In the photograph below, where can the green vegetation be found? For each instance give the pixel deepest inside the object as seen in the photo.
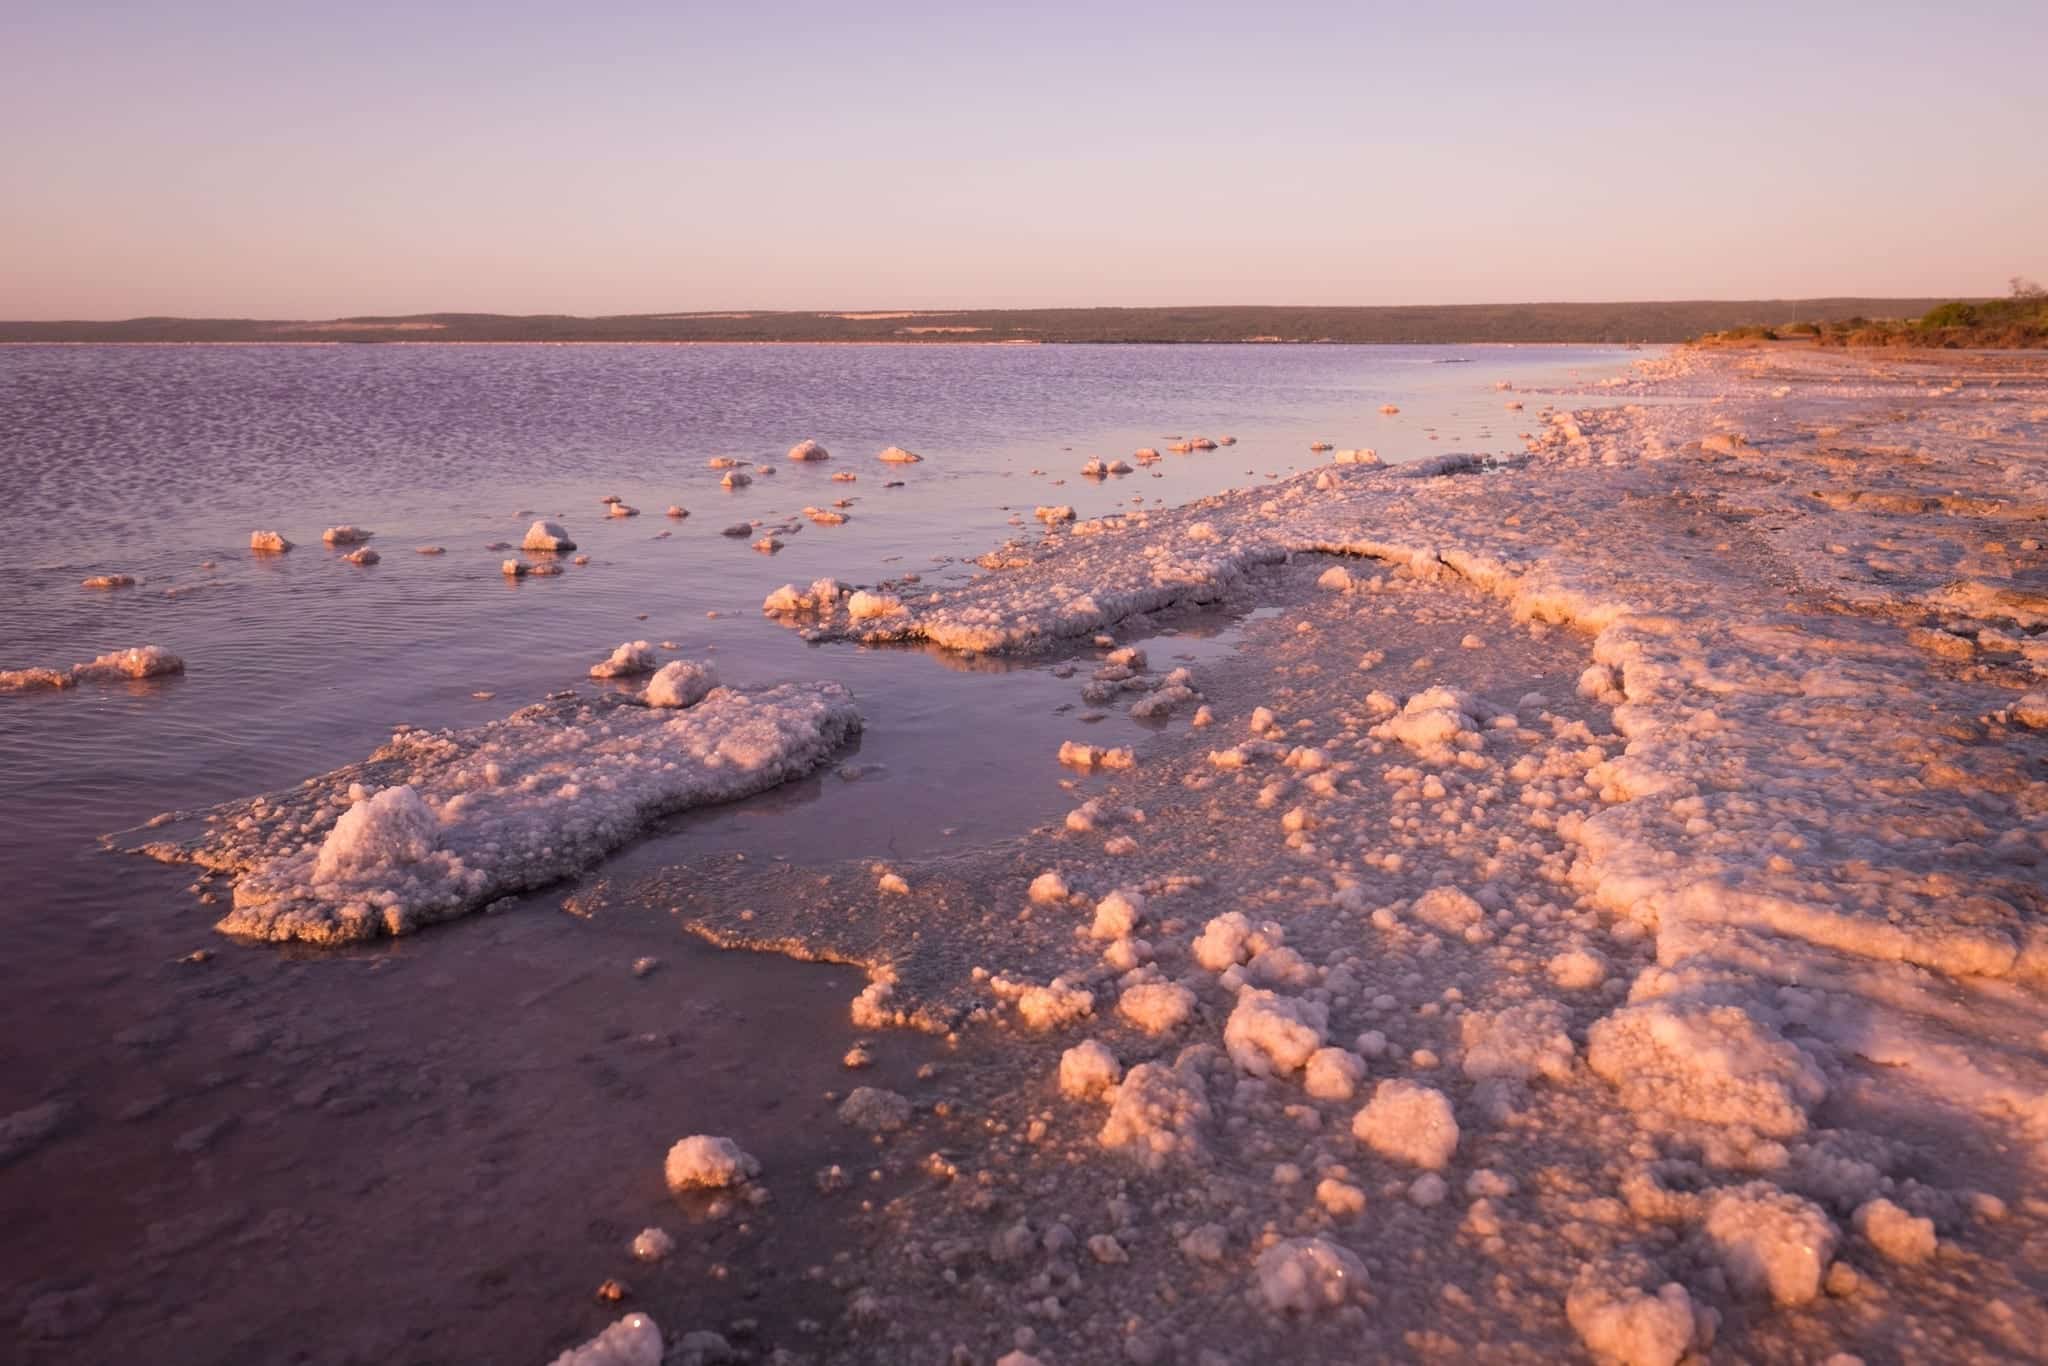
(2020, 320)
(1449, 324)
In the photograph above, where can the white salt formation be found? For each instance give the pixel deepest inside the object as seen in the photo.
(809, 450)
(363, 556)
(268, 542)
(1157, 1115)
(633, 1341)
(865, 606)
(1626, 1324)
(653, 1244)
(109, 581)
(345, 535)
(1089, 1071)
(547, 537)
(1410, 1123)
(791, 599)
(141, 661)
(388, 828)
(1304, 1275)
(515, 804)
(896, 455)
(708, 1162)
(628, 660)
(679, 683)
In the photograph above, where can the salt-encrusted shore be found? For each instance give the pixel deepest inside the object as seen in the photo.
(1604, 908)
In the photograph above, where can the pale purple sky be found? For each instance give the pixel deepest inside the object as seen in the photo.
(281, 159)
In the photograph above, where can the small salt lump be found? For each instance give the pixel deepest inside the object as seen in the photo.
(547, 536)
(1089, 1070)
(1408, 1122)
(708, 1162)
(679, 683)
(380, 832)
(632, 1341)
(1303, 1275)
(631, 658)
(653, 1244)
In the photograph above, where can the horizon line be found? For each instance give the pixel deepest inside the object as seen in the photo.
(881, 312)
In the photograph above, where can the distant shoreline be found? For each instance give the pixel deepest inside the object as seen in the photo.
(1236, 325)
(907, 345)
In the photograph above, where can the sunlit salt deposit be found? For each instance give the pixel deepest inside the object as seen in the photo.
(707, 1161)
(633, 1341)
(631, 658)
(518, 803)
(549, 537)
(679, 683)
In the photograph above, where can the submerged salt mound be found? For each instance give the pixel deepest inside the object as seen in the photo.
(141, 661)
(1303, 1275)
(345, 535)
(633, 1341)
(516, 804)
(896, 455)
(34, 680)
(547, 538)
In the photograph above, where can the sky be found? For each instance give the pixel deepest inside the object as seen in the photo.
(292, 160)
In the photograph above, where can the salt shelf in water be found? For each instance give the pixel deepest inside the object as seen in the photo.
(437, 824)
